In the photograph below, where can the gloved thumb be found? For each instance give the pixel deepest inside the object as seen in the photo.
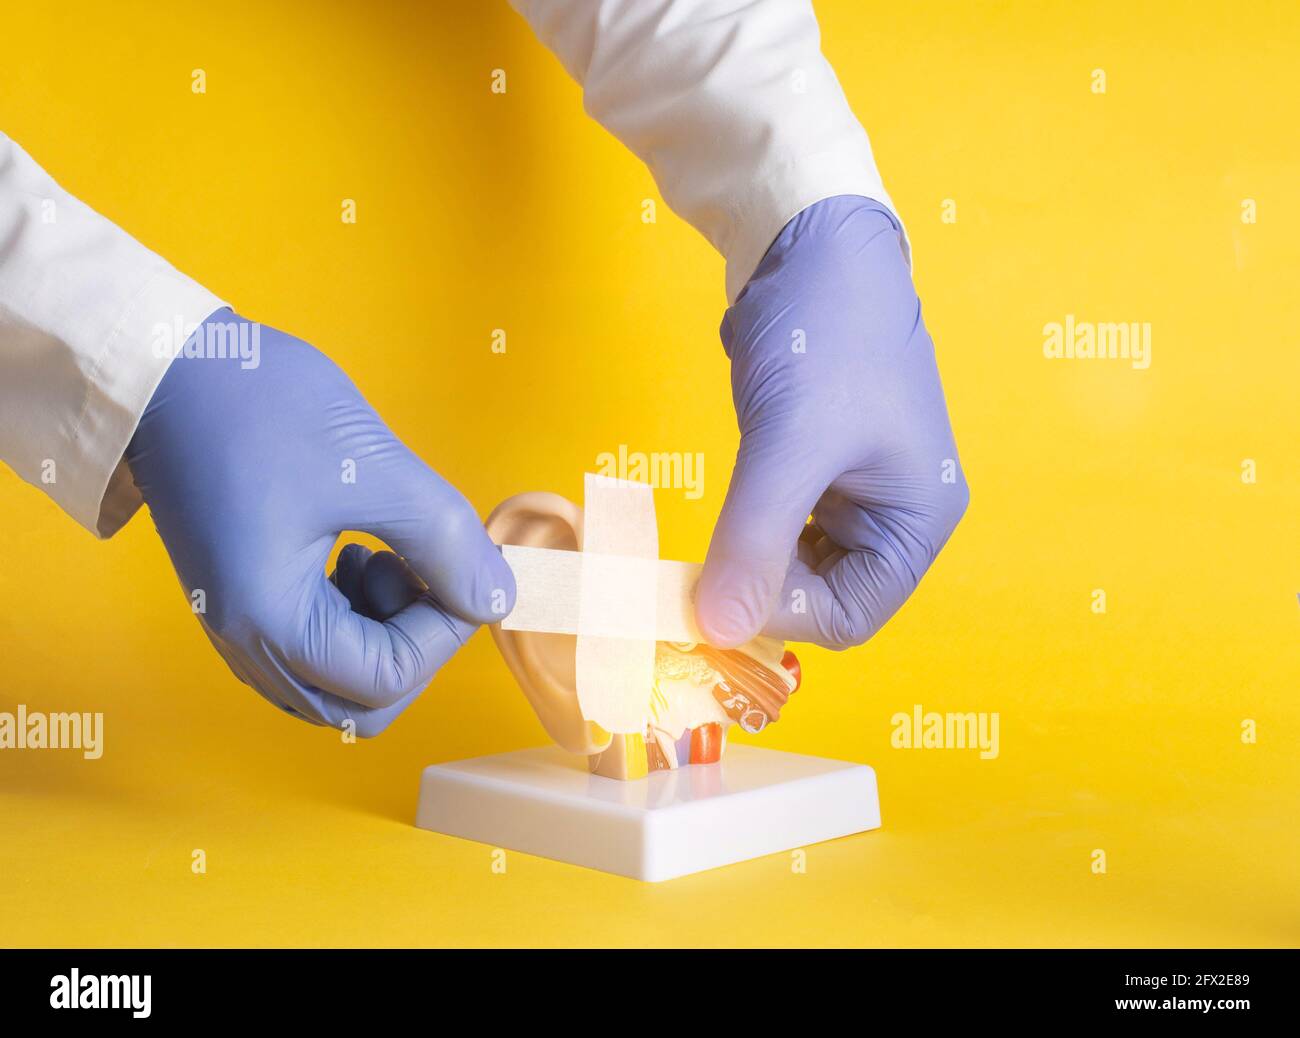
(773, 491)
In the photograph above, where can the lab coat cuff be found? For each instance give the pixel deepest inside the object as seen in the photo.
(95, 485)
(760, 215)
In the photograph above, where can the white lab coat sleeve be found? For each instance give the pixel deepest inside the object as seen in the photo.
(82, 311)
(729, 102)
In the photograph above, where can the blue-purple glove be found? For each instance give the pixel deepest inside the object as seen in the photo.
(251, 472)
(842, 417)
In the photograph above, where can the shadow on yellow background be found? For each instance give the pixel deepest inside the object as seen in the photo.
(1121, 731)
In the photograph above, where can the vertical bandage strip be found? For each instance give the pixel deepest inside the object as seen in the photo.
(620, 552)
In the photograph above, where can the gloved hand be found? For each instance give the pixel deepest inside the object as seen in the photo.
(842, 417)
(251, 474)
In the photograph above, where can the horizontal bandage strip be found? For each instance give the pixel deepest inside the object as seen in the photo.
(549, 595)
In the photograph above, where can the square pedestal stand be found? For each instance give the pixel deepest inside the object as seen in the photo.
(669, 824)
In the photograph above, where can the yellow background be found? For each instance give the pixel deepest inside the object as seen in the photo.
(476, 211)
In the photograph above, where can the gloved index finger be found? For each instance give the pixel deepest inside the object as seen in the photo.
(844, 599)
(437, 532)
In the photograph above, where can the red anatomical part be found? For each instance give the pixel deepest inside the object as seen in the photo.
(706, 744)
(791, 663)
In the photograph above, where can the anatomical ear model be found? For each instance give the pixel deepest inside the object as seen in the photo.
(697, 692)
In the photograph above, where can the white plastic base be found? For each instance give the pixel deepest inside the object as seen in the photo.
(669, 824)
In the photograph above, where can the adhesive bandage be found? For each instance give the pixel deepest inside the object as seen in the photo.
(603, 639)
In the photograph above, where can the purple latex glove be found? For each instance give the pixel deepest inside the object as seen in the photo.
(842, 417)
(251, 473)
